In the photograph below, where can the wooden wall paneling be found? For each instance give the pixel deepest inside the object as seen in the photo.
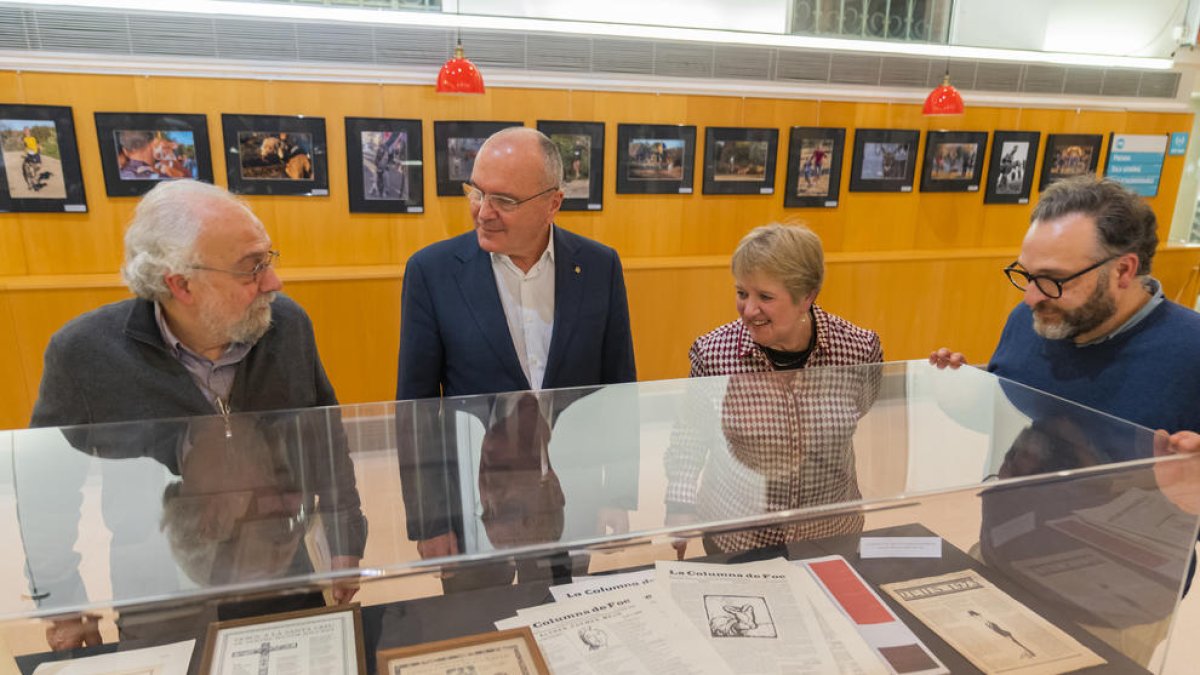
(357, 324)
(15, 401)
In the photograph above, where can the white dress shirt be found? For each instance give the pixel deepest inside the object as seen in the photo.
(528, 301)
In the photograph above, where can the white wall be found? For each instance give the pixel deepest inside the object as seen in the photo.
(760, 16)
(1110, 27)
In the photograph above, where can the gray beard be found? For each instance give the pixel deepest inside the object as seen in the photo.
(251, 327)
(1098, 308)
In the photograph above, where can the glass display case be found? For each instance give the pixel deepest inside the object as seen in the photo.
(923, 488)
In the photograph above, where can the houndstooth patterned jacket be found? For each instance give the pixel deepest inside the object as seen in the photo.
(761, 441)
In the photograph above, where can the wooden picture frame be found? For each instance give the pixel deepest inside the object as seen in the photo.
(655, 158)
(41, 174)
(510, 651)
(885, 160)
(1069, 155)
(141, 150)
(384, 167)
(740, 160)
(814, 168)
(953, 161)
(455, 145)
(276, 155)
(581, 146)
(223, 641)
(1011, 167)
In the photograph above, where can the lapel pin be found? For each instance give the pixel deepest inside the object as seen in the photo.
(577, 269)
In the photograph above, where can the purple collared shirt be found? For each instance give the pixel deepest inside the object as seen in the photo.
(213, 378)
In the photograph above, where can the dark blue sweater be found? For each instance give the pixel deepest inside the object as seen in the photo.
(1149, 375)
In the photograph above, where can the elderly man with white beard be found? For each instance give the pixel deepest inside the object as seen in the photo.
(207, 334)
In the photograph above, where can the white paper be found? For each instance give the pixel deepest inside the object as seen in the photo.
(169, 659)
(625, 633)
(749, 614)
(599, 585)
(900, 547)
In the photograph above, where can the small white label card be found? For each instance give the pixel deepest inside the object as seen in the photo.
(900, 547)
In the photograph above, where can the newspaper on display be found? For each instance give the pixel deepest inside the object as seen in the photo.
(988, 627)
(623, 633)
(762, 617)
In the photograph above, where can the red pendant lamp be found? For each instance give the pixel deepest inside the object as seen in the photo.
(944, 99)
(459, 75)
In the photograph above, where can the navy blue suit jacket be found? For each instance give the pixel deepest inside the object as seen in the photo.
(454, 341)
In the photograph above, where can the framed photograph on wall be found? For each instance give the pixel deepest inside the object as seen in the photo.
(383, 165)
(814, 168)
(581, 146)
(455, 146)
(332, 636)
(276, 155)
(655, 158)
(140, 150)
(740, 161)
(953, 161)
(1010, 170)
(505, 651)
(1069, 155)
(885, 160)
(41, 160)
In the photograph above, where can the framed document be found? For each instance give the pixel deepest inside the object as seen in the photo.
(323, 640)
(507, 651)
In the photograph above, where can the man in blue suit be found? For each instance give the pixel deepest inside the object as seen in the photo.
(517, 304)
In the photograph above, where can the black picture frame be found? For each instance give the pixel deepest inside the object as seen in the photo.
(581, 145)
(293, 163)
(740, 160)
(455, 145)
(885, 160)
(953, 161)
(1011, 167)
(396, 145)
(54, 182)
(1068, 155)
(808, 148)
(168, 146)
(648, 156)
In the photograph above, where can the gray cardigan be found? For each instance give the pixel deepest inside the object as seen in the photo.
(111, 365)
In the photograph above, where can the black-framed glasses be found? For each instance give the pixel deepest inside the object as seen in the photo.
(254, 273)
(500, 202)
(1049, 286)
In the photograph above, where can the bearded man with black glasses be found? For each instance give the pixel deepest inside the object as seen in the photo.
(1094, 327)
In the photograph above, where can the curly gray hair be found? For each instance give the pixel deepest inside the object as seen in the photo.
(161, 237)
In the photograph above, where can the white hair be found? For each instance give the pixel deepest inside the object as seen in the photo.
(161, 237)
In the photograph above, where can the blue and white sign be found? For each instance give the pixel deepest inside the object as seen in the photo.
(1179, 141)
(1137, 161)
